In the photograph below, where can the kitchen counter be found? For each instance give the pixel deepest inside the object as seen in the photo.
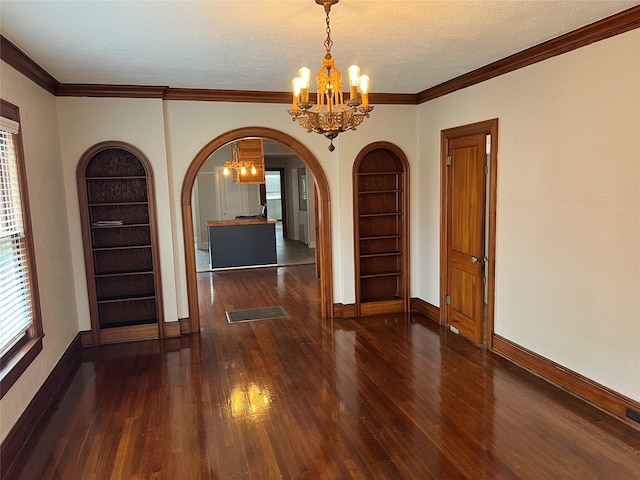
(242, 242)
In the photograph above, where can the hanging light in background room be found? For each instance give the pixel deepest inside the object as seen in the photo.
(332, 115)
(240, 165)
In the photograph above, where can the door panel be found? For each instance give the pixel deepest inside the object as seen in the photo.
(465, 242)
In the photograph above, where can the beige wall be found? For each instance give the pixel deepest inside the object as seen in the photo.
(46, 188)
(568, 226)
(568, 213)
(85, 122)
(172, 133)
(191, 125)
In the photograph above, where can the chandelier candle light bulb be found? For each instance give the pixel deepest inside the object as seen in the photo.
(304, 74)
(354, 77)
(364, 88)
(332, 115)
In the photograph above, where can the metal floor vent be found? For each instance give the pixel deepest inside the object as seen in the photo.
(238, 316)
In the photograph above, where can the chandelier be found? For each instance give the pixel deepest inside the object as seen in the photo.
(332, 115)
(237, 163)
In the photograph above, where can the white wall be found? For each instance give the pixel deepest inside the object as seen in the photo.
(568, 213)
(45, 184)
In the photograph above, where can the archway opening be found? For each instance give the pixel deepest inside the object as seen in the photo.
(323, 225)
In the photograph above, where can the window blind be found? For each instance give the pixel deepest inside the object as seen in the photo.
(16, 314)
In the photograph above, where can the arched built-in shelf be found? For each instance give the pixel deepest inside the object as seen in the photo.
(117, 210)
(381, 228)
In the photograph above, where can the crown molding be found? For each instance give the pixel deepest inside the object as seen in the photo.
(391, 98)
(209, 95)
(608, 27)
(23, 63)
(113, 91)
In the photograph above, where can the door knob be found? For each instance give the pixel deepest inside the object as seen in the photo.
(474, 259)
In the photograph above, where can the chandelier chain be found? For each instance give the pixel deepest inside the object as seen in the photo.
(328, 43)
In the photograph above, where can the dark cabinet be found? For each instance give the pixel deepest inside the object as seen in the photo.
(115, 190)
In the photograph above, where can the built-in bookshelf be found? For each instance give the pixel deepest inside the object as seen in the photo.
(115, 190)
(380, 184)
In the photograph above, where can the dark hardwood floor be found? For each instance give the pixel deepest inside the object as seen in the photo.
(305, 398)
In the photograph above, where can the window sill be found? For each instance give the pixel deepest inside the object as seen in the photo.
(16, 364)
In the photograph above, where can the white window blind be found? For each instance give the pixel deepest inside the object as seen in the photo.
(16, 315)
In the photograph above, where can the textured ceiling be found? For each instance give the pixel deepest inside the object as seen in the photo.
(404, 46)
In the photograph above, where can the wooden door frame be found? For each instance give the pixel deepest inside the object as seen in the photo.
(486, 127)
(324, 247)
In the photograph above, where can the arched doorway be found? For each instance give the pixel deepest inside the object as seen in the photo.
(323, 244)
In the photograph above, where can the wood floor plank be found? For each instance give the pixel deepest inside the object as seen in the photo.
(300, 397)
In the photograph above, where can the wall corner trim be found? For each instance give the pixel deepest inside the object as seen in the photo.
(425, 308)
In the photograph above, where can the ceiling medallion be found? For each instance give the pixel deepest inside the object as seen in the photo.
(332, 115)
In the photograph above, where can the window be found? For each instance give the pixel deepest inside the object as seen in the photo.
(20, 323)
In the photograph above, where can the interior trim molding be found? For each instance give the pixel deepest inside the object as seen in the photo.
(602, 29)
(86, 338)
(185, 326)
(204, 94)
(172, 329)
(23, 63)
(111, 91)
(341, 310)
(42, 402)
(592, 392)
(240, 96)
(425, 308)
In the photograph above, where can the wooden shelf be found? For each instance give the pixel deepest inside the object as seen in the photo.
(370, 192)
(121, 226)
(381, 254)
(115, 184)
(381, 237)
(122, 247)
(123, 273)
(382, 299)
(114, 204)
(383, 214)
(390, 172)
(118, 178)
(125, 299)
(381, 274)
(381, 230)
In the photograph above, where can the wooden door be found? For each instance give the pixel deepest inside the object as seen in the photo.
(466, 185)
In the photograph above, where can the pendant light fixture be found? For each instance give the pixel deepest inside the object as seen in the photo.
(332, 115)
